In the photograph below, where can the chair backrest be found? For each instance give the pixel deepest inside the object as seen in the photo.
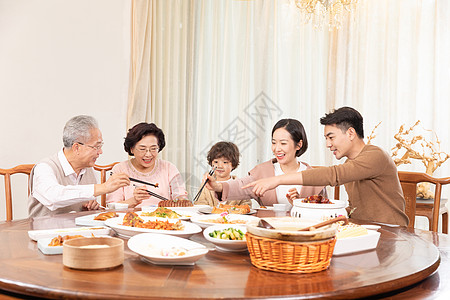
(103, 170)
(21, 169)
(409, 181)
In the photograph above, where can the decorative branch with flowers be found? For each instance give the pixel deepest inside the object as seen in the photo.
(417, 147)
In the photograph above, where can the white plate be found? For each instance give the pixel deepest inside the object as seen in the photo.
(84, 231)
(266, 208)
(88, 220)
(149, 246)
(226, 245)
(185, 215)
(357, 243)
(51, 250)
(208, 210)
(202, 220)
(128, 231)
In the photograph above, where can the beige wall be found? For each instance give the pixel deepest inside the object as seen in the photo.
(59, 59)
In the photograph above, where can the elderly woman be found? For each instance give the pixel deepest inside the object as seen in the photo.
(144, 142)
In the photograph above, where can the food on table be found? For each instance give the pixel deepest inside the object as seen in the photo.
(232, 209)
(228, 234)
(350, 230)
(162, 212)
(173, 252)
(319, 199)
(59, 240)
(133, 220)
(106, 216)
(171, 203)
(222, 220)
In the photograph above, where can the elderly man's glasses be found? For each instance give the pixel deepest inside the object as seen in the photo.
(153, 149)
(96, 148)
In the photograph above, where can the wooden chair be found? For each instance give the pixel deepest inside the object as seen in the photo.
(21, 169)
(103, 170)
(432, 211)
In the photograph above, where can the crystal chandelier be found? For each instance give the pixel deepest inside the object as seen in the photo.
(324, 12)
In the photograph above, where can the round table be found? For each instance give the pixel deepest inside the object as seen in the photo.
(400, 263)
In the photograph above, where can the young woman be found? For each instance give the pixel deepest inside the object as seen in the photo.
(224, 156)
(144, 142)
(289, 142)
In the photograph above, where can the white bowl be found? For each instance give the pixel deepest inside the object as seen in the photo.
(226, 245)
(286, 229)
(319, 211)
(150, 245)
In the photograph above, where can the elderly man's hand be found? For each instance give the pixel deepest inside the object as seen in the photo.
(91, 205)
(116, 181)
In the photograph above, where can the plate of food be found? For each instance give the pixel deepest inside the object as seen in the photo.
(84, 231)
(167, 213)
(353, 238)
(166, 249)
(231, 209)
(224, 218)
(131, 224)
(95, 219)
(228, 238)
(264, 208)
(51, 246)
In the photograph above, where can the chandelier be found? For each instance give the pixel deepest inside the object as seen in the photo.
(324, 12)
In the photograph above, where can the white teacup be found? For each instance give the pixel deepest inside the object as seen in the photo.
(111, 205)
(120, 206)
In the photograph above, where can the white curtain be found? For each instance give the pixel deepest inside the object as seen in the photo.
(228, 70)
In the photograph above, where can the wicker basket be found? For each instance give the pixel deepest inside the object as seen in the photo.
(289, 257)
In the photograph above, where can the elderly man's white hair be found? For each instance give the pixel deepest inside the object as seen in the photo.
(78, 129)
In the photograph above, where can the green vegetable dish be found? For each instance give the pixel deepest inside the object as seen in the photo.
(228, 234)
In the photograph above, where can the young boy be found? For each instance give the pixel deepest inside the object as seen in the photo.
(369, 175)
(224, 156)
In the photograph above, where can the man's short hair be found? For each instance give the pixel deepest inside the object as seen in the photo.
(227, 150)
(344, 118)
(78, 129)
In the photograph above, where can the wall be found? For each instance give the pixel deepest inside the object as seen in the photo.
(59, 59)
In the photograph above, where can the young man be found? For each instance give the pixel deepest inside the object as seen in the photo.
(369, 174)
(65, 181)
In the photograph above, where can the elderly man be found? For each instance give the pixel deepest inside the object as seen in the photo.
(65, 181)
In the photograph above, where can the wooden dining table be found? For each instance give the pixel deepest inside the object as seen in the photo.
(407, 263)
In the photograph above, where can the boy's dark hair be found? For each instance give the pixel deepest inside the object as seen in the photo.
(141, 130)
(227, 150)
(297, 132)
(344, 118)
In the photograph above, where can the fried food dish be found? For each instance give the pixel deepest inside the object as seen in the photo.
(59, 240)
(318, 199)
(162, 212)
(106, 216)
(171, 203)
(231, 209)
(133, 220)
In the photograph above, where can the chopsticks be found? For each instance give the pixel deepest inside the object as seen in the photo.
(201, 189)
(148, 183)
(143, 182)
(156, 195)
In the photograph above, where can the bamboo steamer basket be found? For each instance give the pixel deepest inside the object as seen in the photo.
(93, 253)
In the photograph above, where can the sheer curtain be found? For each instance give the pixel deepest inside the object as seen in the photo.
(206, 71)
(226, 70)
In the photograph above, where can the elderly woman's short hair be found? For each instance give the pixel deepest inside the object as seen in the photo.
(78, 129)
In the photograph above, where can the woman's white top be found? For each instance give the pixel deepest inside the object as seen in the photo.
(282, 190)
